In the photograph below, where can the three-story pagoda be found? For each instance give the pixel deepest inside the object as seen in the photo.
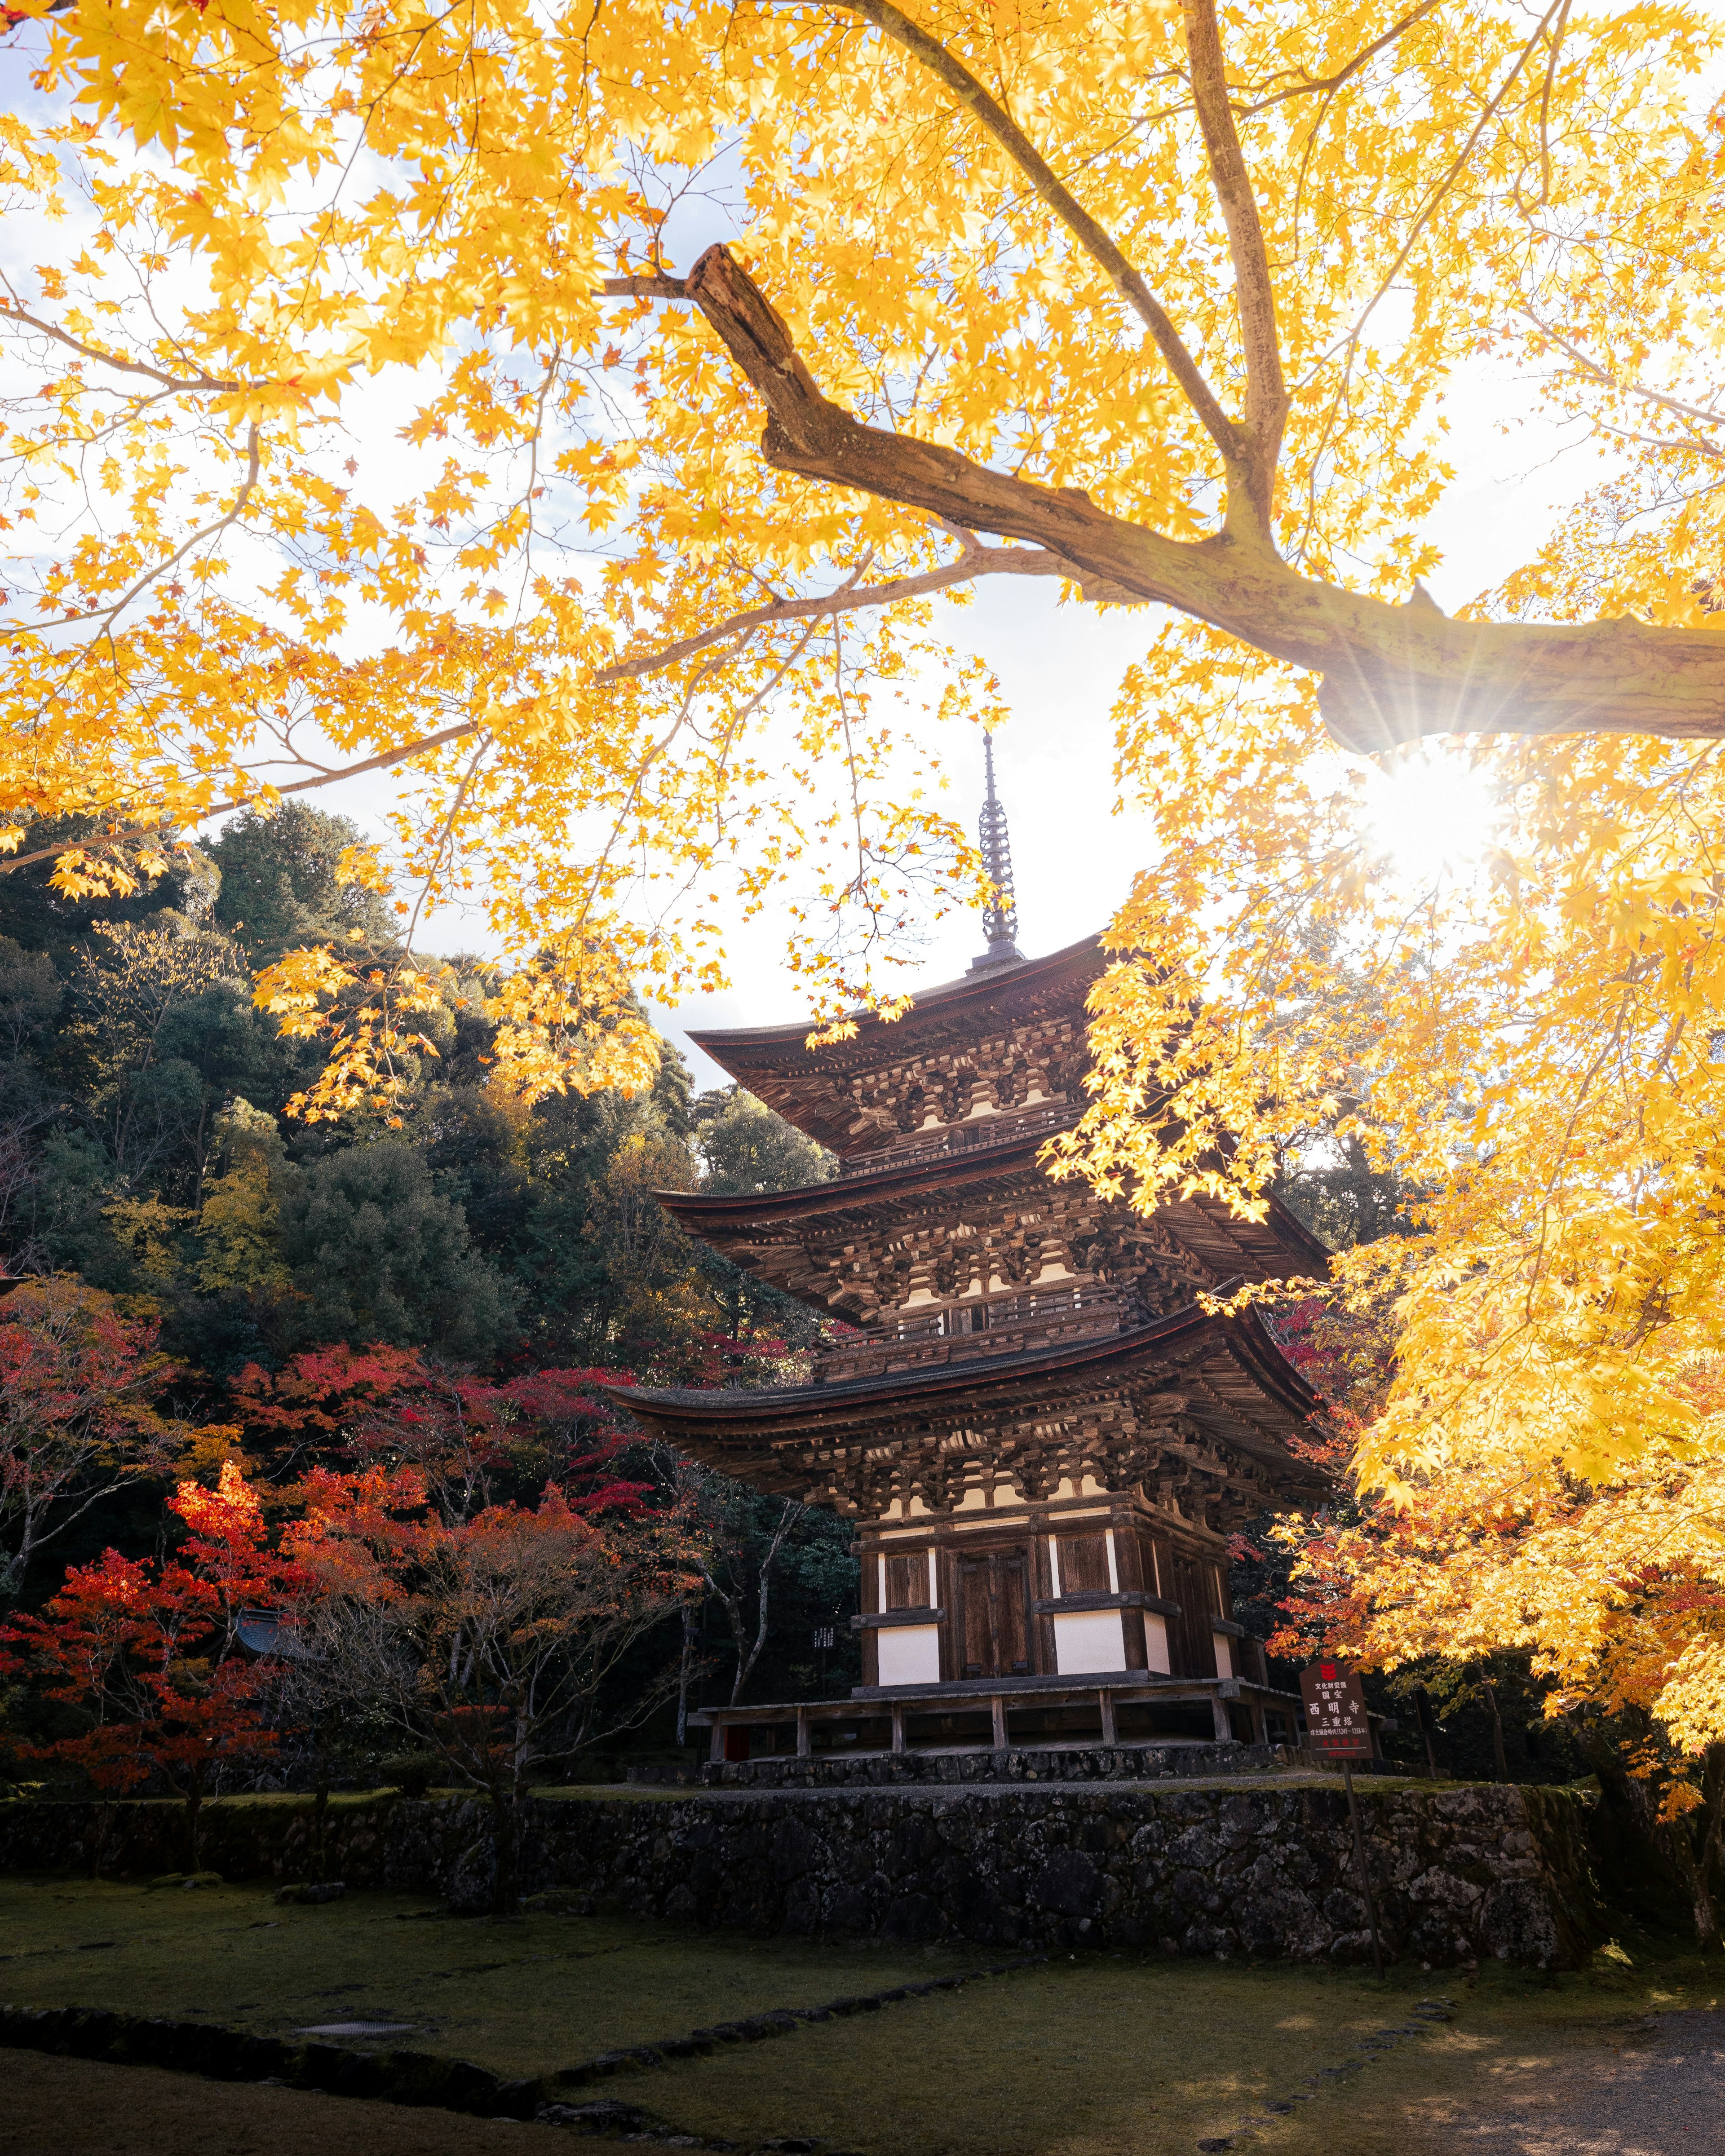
(1042, 1437)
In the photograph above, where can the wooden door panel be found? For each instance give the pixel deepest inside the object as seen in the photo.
(1084, 1564)
(1192, 1591)
(1011, 1623)
(993, 1591)
(907, 1583)
(978, 1626)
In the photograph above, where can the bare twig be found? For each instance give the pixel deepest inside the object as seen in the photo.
(977, 561)
(1315, 85)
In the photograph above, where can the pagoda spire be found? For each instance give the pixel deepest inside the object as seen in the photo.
(1000, 917)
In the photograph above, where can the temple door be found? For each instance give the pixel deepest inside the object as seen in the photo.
(993, 1590)
(1197, 1645)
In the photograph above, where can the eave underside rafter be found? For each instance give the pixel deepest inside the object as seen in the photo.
(1191, 1425)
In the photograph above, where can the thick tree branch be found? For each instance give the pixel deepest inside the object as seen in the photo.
(975, 562)
(1266, 402)
(640, 288)
(1391, 673)
(1059, 198)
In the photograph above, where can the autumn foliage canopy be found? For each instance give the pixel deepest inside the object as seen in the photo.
(726, 340)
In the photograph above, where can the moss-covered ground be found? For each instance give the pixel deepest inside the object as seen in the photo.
(525, 1997)
(1102, 2054)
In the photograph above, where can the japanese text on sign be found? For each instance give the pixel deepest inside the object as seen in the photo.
(1335, 1711)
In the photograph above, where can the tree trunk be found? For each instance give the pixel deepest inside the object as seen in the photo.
(321, 1812)
(684, 1672)
(792, 1512)
(1498, 1760)
(194, 1823)
(505, 1890)
(106, 1812)
(1685, 1851)
(1695, 1840)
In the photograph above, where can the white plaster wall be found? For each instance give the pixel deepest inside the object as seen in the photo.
(1224, 1654)
(1155, 1644)
(910, 1654)
(1089, 1640)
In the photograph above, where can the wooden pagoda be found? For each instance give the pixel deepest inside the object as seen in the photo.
(1042, 1437)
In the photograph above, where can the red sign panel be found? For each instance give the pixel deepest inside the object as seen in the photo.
(1335, 1711)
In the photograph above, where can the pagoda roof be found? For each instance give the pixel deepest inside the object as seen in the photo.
(807, 1086)
(1223, 1372)
(736, 1224)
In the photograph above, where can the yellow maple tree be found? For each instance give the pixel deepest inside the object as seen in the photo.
(1159, 302)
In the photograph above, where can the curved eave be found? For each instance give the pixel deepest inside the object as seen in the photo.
(686, 1413)
(1293, 1232)
(782, 1048)
(732, 1214)
(725, 1220)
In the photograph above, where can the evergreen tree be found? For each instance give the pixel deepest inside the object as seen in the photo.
(281, 888)
(379, 1255)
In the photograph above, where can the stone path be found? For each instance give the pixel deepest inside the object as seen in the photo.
(1661, 2096)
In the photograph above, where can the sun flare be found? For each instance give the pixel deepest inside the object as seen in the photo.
(1428, 816)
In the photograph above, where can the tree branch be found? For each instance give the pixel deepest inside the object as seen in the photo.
(1606, 380)
(379, 762)
(1267, 400)
(641, 288)
(205, 384)
(1084, 227)
(1392, 674)
(975, 562)
(1314, 84)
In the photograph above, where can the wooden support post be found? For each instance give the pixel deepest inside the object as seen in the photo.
(1105, 1700)
(1219, 1711)
(717, 1750)
(1261, 1724)
(999, 1708)
(802, 1732)
(898, 1729)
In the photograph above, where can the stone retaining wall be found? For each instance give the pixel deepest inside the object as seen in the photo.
(1459, 1873)
(1056, 1764)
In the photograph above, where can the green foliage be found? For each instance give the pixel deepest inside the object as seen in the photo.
(280, 888)
(41, 919)
(144, 1145)
(30, 997)
(379, 1255)
(744, 1147)
(239, 1224)
(1336, 1192)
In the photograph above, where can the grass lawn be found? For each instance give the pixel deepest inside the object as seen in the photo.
(523, 1997)
(1114, 2056)
(1104, 2055)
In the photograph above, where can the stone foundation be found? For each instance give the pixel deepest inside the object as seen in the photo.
(1460, 1872)
(1029, 1764)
